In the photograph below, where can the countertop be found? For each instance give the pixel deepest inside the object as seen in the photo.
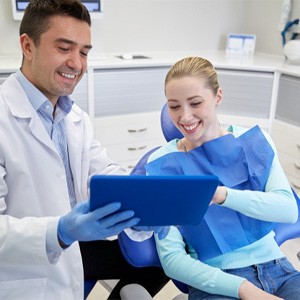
(257, 62)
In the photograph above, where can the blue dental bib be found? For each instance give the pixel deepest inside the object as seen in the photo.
(241, 163)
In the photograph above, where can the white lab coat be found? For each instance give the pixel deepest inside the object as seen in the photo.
(33, 193)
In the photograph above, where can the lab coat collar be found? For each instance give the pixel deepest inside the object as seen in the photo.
(21, 108)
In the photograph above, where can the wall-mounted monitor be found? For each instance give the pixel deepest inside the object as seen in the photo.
(95, 7)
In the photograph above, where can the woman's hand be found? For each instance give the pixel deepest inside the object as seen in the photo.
(219, 196)
(249, 291)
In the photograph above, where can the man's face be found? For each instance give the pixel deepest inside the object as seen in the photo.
(58, 62)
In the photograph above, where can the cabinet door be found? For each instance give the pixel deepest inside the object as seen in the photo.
(128, 137)
(287, 140)
(127, 91)
(246, 93)
(288, 103)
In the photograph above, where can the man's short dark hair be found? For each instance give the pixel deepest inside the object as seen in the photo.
(38, 12)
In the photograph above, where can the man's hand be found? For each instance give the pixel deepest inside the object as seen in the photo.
(81, 224)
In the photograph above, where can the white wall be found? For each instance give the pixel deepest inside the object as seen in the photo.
(169, 25)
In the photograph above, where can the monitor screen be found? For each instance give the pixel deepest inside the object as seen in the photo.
(95, 7)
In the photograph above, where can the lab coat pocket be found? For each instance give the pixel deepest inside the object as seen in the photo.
(26, 289)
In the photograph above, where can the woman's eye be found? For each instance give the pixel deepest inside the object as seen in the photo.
(195, 104)
(174, 107)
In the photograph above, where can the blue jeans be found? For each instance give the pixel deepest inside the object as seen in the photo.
(277, 277)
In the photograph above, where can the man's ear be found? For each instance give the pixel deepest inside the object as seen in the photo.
(27, 46)
(219, 97)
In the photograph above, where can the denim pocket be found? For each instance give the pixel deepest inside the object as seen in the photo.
(285, 265)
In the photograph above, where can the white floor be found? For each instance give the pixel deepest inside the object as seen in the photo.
(290, 248)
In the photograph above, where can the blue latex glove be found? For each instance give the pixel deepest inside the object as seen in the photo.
(81, 224)
(161, 231)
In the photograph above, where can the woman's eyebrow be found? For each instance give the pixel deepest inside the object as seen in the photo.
(193, 97)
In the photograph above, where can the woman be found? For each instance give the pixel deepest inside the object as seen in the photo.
(232, 253)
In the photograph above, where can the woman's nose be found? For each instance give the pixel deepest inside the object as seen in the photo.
(186, 115)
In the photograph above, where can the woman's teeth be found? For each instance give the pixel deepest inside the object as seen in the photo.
(190, 127)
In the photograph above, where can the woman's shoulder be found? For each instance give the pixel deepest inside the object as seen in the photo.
(171, 146)
(238, 131)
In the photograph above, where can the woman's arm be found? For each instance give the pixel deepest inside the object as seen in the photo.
(180, 265)
(186, 268)
(275, 204)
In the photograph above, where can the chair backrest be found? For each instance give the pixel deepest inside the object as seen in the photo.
(168, 128)
(286, 231)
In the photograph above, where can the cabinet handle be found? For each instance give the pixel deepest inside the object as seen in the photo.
(136, 148)
(298, 146)
(137, 130)
(297, 165)
(295, 185)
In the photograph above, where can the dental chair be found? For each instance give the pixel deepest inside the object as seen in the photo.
(142, 254)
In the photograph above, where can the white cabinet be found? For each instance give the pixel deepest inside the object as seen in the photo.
(128, 137)
(128, 90)
(246, 93)
(247, 97)
(127, 109)
(286, 128)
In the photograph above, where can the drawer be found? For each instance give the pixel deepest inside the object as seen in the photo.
(128, 129)
(290, 164)
(131, 151)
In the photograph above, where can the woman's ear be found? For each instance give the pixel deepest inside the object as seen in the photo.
(219, 97)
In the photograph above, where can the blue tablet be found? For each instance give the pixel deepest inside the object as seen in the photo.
(156, 200)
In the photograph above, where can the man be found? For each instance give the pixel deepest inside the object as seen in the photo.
(47, 156)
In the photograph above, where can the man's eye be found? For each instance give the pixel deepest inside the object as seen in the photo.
(63, 49)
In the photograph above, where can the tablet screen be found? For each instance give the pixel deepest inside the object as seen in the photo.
(156, 200)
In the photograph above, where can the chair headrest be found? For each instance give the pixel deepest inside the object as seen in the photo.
(168, 128)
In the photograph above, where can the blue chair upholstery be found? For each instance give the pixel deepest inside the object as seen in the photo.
(88, 286)
(284, 231)
(169, 130)
(141, 254)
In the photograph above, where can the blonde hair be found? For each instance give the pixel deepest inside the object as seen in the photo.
(195, 67)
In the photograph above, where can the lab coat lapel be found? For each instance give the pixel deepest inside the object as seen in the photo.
(21, 108)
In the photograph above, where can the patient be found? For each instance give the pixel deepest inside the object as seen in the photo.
(232, 253)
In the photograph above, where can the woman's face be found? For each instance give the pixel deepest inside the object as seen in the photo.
(193, 109)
